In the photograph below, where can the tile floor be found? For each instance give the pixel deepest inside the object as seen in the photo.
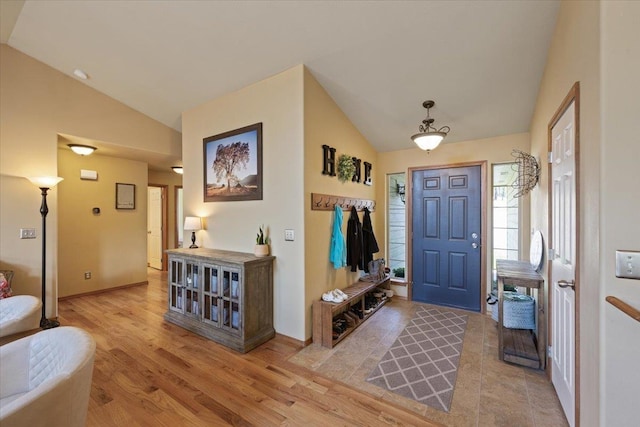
(488, 392)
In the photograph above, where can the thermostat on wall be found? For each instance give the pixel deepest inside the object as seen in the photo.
(88, 175)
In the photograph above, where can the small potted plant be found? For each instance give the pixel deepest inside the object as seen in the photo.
(262, 243)
(398, 272)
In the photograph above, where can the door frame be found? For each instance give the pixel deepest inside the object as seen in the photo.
(572, 96)
(483, 224)
(164, 212)
(176, 191)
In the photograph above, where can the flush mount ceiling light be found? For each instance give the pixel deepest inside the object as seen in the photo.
(83, 150)
(429, 137)
(177, 169)
(80, 74)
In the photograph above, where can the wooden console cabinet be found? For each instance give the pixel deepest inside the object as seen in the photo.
(324, 312)
(222, 295)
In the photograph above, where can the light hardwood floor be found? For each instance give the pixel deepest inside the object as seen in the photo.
(151, 373)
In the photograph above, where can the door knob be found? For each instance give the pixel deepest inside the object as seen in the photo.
(567, 283)
(474, 245)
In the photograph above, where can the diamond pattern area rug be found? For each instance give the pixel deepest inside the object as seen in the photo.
(422, 363)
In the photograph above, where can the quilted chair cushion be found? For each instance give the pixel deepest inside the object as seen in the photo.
(19, 313)
(45, 379)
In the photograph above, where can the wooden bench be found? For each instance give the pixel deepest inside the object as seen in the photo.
(324, 312)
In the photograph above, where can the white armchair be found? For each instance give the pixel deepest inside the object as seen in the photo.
(45, 379)
(19, 313)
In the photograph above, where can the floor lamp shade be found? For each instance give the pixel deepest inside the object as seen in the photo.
(193, 224)
(44, 183)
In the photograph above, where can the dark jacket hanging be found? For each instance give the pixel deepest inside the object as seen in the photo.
(369, 243)
(354, 241)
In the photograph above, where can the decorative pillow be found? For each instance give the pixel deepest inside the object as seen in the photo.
(5, 287)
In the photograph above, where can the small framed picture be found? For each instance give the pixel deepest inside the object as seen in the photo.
(125, 196)
(233, 165)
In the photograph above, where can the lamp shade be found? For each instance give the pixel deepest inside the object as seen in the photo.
(177, 169)
(428, 140)
(192, 223)
(45, 181)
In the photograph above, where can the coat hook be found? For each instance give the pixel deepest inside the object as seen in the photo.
(319, 202)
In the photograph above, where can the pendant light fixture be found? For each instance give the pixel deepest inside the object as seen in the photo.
(429, 137)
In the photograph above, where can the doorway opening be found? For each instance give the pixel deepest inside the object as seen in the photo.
(157, 217)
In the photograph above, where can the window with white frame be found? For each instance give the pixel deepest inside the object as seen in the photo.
(506, 214)
(396, 226)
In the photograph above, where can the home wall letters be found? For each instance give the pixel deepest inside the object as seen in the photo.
(329, 166)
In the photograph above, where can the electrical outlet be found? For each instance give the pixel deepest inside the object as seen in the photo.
(27, 233)
(87, 275)
(289, 235)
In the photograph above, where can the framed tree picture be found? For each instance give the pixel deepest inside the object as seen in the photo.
(233, 165)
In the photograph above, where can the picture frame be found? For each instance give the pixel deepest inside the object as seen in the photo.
(232, 163)
(125, 196)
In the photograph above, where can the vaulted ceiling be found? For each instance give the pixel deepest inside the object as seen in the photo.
(481, 61)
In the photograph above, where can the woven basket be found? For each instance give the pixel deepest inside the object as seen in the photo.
(519, 311)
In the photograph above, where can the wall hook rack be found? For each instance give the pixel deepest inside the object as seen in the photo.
(327, 202)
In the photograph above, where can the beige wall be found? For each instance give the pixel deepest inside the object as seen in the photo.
(171, 180)
(574, 56)
(38, 102)
(491, 150)
(325, 123)
(277, 102)
(111, 245)
(620, 152)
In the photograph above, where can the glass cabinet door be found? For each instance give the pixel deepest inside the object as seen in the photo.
(192, 289)
(176, 285)
(231, 299)
(211, 295)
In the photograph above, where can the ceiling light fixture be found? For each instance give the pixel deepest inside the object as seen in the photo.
(82, 150)
(177, 169)
(429, 137)
(80, 74)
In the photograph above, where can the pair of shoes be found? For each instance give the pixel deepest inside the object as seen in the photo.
(339, 325)
(334, 296)
(340, 294)
(352, 318)
(357, 311)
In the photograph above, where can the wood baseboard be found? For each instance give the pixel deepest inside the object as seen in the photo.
(101, 291)
(294, 341)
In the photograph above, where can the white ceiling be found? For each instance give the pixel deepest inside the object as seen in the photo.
(481, 61)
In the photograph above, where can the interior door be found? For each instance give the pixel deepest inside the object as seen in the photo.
(563, 259)
(446, 230)
(154, 227)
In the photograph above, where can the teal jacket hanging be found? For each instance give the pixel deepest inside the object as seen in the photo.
(338, 250)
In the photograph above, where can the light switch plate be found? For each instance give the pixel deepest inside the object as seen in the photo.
(289, 235)
(628, 264)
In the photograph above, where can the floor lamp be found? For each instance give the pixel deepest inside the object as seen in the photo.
(45, 183)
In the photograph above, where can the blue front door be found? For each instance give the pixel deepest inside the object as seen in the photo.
(446, 221)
